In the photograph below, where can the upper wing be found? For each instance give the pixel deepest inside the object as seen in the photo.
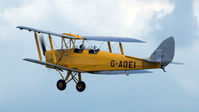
(73, 36)
(114, 39)
(54, 66)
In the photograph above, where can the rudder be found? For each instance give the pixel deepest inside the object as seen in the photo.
(164, 53)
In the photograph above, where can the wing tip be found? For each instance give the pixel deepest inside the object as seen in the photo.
(141, 41)
(25, 59)
(20, 27)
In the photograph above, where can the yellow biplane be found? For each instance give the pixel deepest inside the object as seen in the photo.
(77, 60)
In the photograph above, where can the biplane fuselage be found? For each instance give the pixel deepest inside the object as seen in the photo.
(102, 61)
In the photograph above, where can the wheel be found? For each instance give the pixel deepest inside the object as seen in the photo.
(80, 86)
(61, 84)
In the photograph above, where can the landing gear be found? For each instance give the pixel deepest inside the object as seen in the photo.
(80, 86)
(61, 84)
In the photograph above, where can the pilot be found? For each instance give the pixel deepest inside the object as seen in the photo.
(80, 49)
(94, 50)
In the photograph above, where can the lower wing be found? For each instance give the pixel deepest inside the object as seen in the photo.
(54, 66)
(117, 72)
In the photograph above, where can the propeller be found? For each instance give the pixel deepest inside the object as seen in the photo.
(43, 46)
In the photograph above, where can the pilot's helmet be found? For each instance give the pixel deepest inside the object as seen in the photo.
(95, 47)
(82, 46)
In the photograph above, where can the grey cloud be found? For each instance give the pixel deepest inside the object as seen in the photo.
(181, 24)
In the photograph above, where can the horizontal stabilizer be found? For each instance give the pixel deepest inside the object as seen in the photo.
(173, 62)
(177, 63)
(54, 66)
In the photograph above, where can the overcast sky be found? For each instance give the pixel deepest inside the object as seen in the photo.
(30, 87)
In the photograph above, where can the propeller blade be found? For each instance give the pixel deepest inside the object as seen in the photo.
(43, 46)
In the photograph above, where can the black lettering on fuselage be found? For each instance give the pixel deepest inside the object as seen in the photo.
(120, 64)
(112, 63)
(134, 64)
(124, 64)
(130, 64)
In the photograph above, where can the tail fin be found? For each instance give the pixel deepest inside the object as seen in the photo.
(164, 53)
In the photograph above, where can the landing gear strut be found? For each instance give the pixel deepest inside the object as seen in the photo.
(80, 85)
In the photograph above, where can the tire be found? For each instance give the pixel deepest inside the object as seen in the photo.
(81, 86)
(61, 84)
